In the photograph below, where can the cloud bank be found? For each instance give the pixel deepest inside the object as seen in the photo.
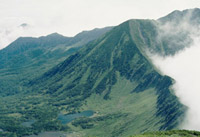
(184, 67)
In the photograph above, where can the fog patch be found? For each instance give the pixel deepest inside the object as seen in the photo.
(184, 67)
(177, 30)
(182, 34)
(11, 29)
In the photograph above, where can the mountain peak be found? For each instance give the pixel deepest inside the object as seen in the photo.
(55, 34)
(192, 16)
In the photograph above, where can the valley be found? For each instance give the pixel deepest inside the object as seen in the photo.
(99, 83)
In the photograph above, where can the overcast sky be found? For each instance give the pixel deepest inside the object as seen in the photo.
(69, 17)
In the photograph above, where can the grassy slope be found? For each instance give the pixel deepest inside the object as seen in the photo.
(135, 109)
(172, 133)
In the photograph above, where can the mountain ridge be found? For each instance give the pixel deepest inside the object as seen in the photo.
(26, 56)
(114, 63)
(113, 76)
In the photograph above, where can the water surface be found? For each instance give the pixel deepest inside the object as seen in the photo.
(70, 117)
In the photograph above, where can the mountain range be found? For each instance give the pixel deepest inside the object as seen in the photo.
(99, 83)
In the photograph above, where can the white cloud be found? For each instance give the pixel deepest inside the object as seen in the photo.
(184, 67)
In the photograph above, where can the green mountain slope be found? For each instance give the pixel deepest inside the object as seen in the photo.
(113, 77)
(172, 133)
(29, 57)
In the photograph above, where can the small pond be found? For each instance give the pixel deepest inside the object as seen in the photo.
(50, 134)
(28, 123)
(70, 117)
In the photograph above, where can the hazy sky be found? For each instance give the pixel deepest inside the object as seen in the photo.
(69, 17)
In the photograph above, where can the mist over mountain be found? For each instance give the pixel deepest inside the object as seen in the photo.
(10, 33)
(111, 82)
(184, 66)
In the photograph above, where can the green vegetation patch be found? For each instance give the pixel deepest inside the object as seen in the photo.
(172, 133)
